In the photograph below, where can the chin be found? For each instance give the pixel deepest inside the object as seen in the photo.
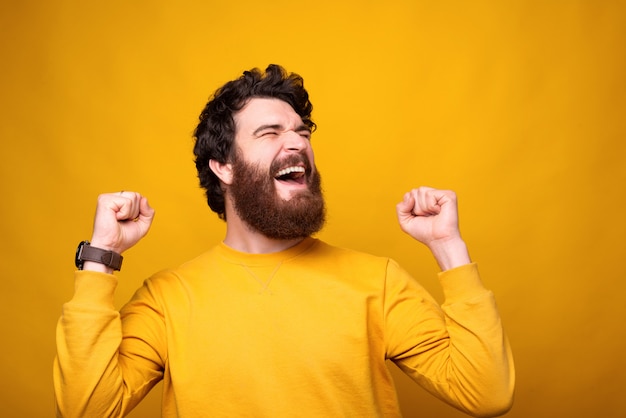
(287, 195)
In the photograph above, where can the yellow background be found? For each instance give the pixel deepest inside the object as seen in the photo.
(519, 106)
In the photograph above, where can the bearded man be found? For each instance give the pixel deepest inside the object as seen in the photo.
(272, 322)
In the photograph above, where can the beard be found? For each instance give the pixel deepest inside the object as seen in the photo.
(256, 200)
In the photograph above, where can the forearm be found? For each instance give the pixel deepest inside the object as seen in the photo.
(458, 351)
(104, 365)
(479, 351)
(86, 375)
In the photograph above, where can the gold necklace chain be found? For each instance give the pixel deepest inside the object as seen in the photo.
(265, 285)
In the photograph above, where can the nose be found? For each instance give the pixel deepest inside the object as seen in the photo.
(294, 141)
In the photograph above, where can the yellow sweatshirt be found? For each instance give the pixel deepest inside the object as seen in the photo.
(304, 332)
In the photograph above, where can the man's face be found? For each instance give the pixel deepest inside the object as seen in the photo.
(275, 187)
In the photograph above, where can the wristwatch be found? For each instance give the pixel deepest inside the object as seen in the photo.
(85, 252)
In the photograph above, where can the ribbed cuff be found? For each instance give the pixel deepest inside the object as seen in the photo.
(461, 283)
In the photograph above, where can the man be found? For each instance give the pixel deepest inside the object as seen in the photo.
(272, 322)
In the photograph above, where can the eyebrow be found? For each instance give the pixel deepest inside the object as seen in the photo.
(262, 128)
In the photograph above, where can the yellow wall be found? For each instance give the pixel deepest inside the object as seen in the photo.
(517, 105)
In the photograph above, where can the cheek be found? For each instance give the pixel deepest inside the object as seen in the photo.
(311, 156)
(261, 156)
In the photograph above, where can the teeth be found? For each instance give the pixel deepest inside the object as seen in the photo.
(288, 170)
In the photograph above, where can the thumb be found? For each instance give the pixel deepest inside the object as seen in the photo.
(144, 218)
(407, 203)
(145, 210)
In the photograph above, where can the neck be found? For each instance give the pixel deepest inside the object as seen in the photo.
(259, 244)
(240, 237)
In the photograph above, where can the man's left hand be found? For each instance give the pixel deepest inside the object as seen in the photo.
(431, 217)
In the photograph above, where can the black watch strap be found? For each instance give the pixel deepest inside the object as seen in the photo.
(85, 252)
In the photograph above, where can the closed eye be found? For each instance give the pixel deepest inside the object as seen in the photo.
(275, 130)
(266, 130)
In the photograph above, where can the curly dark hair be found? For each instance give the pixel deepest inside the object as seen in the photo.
(215, 134)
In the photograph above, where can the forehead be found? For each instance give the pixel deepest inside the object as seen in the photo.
(266, 111)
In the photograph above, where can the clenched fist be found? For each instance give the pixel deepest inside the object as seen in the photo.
(122, 219)
(431, 217)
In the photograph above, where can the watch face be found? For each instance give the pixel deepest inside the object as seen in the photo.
(78, 261)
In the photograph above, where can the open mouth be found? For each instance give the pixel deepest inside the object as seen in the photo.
(291, 175)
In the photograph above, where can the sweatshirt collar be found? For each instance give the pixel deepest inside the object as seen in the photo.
(235, 256)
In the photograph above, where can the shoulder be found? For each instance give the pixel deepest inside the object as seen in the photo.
(323, 249)
(341, 257)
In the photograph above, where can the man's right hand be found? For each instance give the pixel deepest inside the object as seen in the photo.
(122, 219)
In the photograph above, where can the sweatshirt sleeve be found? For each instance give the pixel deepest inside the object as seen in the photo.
(103, 368)
(457, 351)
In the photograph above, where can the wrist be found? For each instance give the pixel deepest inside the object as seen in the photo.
(450, 253)
(87, 253)
(103, 244)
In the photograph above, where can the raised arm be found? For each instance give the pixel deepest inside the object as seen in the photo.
(91, 378)
(459, 351)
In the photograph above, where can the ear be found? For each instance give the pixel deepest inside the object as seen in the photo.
(223, 171)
